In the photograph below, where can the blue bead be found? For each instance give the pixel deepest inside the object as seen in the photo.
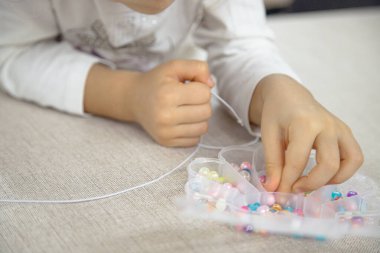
(341, 209)
(336, 195)
(320, 238)
(253, 207)
(289, 208)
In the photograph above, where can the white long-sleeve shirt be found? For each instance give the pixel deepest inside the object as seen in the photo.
(48, 46)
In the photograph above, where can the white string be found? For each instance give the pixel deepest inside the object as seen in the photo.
(72, 201)
(239, 120)
(75, 201)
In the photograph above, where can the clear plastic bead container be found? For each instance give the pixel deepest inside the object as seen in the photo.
(228, 197)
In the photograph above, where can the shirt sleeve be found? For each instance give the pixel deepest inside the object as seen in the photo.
(34, 66)
(241, 50)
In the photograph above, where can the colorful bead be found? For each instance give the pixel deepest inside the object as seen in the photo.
(269, 199)
(277, 207)
(357, 220)
(246, 174)
(245, 166)
(263, 209)
(351, 193)
(320, 238)
(263, 179)
(336, 195)
(221, 205)
(289, 209)
(213, 175)
(195, 185)
(253, 207)
(341, 209)
(351, 206)
(248, 229)
(298, 211)
(245, 209)
(204, 171)
(220, 180)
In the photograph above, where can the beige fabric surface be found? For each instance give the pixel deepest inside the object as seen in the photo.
(45, 154)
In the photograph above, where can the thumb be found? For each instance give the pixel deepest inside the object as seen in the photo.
(192, 70)
(274, 157)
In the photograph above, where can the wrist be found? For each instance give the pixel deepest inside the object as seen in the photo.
(108, 93)
(275, 88)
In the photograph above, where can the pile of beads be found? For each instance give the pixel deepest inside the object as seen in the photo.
(262, 209)
(221, 193)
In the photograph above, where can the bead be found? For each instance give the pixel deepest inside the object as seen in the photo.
(227, 186)
(263, 209)
(213, 175)
(351, 193)
(289, 209)
(221, 205)
(277, 207)
(263, 179)
(246, 174)
(195, 185)
(269, 199)
(351, 206)
(341, 209)
(320, 238)
(245, 166)
(245, 209)
(248, 229)
(336, 195)
(220, 180)
(204, 171)
(357, 220)
(215, 190)
(298, 211)
(253, 207)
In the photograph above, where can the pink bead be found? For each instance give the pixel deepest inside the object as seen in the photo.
(263, 179)
(298, 211)
(215, 190)
(268, 199)
(245, 209)
(263, 209)
(245, 165)
(351, 206)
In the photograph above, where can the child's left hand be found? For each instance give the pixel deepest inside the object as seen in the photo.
(292, 123)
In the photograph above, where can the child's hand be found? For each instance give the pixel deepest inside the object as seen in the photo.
(292, 123)
(172, 112)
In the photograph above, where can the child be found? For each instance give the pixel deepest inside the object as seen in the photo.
(109, 58)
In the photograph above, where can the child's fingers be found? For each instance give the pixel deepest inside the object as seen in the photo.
(189, 130)
(274, 156)
(194, 93)
(296, 156)
(351, 159)
(183, 142)
(328, 161)
(193, 113)
(192, 70)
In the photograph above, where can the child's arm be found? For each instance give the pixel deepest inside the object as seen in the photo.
(262, 88)
(172, 112)
(36, 67)
(292, 123)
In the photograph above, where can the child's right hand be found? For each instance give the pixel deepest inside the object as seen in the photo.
(171, 102)
(173, 112)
